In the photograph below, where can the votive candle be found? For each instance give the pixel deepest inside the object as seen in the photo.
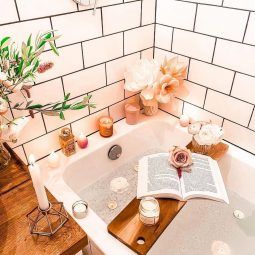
(82, 140)
(106, 126)
(132, 113)
(53, 159)
(40, 191)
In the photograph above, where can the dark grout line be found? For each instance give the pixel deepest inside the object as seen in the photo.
(82, 54)
(208, 35)
(102, 20)
(155, 27)
(17, 9)
(195, 19)
(214, 48)
(65, 13)
(214, 5)
(251, 116)
(172, 40)
(245, 30)
(232, 84)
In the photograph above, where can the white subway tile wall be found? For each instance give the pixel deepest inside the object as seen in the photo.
(217, 37)
(214, 37)
(95, 51)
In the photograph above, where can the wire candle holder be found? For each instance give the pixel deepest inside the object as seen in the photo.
(47, 222)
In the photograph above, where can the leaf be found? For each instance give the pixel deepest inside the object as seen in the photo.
(78, 107)
(54, 49)
(50, 113)
(42, 43)
(35, 106)
(29, 103)
(5, 42)
(54, 38)
(56, 105)
(20, 66)
(36, 66)
(62, 116)
(67, 96)
(29, 40)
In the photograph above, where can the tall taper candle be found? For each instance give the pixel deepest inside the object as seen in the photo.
(40, 191)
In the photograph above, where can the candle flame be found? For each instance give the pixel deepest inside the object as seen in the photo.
(31, 159)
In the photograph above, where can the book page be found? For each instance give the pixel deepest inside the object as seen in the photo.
(162, 179)
(202, 181)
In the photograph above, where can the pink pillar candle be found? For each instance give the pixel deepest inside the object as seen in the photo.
(132, 112)
(82, 140)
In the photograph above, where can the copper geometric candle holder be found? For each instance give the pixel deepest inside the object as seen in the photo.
(47, 222)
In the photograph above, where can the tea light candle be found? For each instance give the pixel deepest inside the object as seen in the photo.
(53, 159)
(80, 209)
(82, 140)
(132, 113)
(184, 120)
(40, 191)
(149, 211)
(106, 126)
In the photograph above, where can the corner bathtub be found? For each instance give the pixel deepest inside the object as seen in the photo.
(161, 131)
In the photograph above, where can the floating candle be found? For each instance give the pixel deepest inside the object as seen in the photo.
(40, 191)
(53, 159)
(82, 140)
(106, 126)
(184, 120)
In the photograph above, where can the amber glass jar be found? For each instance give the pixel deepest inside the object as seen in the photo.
(67, 142)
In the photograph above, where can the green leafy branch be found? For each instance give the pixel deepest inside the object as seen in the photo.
(57, 108)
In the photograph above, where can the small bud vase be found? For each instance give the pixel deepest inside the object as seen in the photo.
(5, 156)
(150, 107)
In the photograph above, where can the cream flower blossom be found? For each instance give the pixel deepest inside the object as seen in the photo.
(143, 74)
(209, 134)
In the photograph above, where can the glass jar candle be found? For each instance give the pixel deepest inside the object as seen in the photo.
(132, 112)
(106, 126)
(149, 211)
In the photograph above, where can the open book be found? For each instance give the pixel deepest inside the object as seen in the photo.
(157, 178)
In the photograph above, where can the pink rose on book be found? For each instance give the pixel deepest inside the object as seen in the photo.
(180, 158)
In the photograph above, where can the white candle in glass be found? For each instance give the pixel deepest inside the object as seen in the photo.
(53, 159)
(149, 211)
(40, 191)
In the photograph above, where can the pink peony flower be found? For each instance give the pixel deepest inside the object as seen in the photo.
(180, 158)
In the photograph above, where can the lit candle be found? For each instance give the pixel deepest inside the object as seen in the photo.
(40, 191)
(184, 120)
(82, 140)
(106, 126)
(53, 159)
(149, 211)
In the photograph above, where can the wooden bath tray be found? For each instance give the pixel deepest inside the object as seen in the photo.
(127, 227)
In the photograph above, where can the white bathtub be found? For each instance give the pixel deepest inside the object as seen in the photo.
(161, 131)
